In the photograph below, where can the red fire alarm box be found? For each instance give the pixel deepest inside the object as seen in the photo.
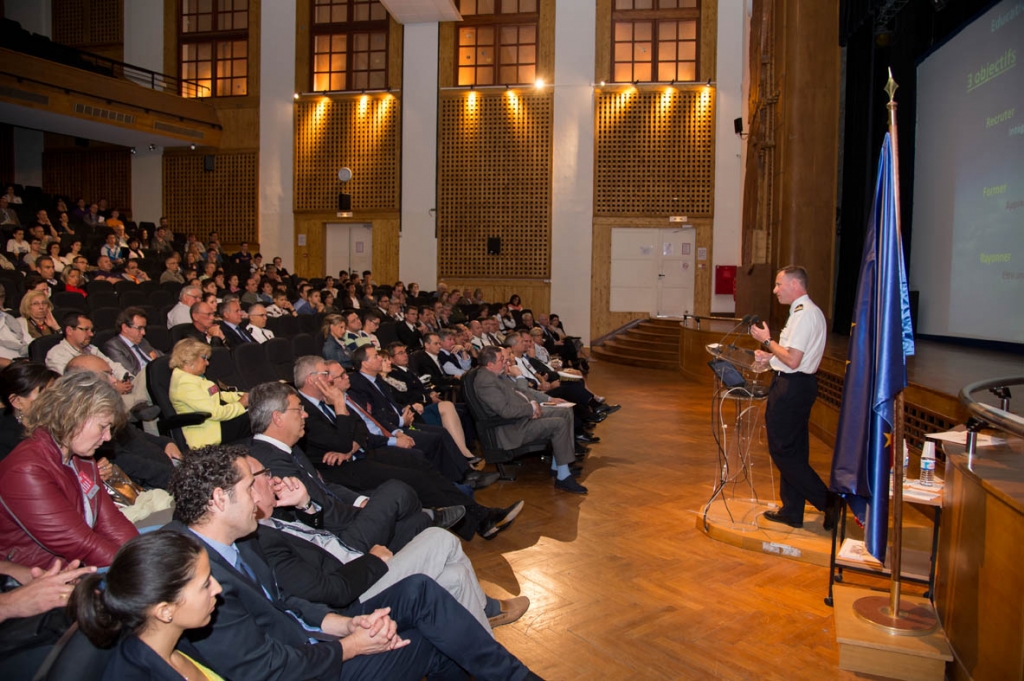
(725, 280)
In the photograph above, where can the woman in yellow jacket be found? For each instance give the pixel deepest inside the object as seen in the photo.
(191, 391)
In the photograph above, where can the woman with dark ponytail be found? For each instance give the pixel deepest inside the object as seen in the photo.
(158, 587)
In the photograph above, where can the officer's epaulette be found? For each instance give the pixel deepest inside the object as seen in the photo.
(798, 307)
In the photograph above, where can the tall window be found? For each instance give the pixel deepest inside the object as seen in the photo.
(655, 40)
(350, 45)
(497, 42)
(214, 41)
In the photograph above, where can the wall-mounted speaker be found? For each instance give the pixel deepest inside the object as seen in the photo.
(494, 245)
(344, 203)
(209, 163)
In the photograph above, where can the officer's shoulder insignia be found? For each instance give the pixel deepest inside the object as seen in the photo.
(798, 307)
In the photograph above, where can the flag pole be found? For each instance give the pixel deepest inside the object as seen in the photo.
(882, 612)
(897, 411)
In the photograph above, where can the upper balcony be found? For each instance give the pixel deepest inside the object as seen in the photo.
(51, 87)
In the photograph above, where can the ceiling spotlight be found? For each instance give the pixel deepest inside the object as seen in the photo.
(152, 147)
(602, 83)
(539, 83)
(709, 82)
(192, 146)
(132, 151)
(296, 95)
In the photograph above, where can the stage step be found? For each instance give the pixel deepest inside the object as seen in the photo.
(654, 343)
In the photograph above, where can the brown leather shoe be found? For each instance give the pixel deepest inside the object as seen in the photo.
(511, 610)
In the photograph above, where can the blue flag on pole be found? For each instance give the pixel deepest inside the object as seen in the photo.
(881, 339)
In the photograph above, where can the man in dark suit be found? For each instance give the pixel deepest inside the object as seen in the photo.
(204, 327)
(428, 362)
(262, 631)
(233, 328)
(391, 516)
(318, 567)
(410, 330)
(370, 394)
(344, 451)
(130, 348)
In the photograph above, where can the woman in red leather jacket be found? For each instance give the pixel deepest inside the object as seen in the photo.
(52, 500)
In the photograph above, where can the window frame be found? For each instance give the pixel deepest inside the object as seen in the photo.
(496, 22)
(656, 16)
(214, 38)
(349, 29)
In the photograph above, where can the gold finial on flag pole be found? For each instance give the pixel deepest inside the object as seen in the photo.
(890, 87)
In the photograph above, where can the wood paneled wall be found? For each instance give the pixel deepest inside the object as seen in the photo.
(311, 261)
(222, 200)
(92, 174)
(494, 181)
(361, 132)
(602, 319)
(654, 154)
(90, 25)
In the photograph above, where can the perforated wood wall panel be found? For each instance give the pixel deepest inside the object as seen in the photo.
(92, 174)
(82, 23)
(655, 152)
(361, 133)
(222, 200)
(494, 180)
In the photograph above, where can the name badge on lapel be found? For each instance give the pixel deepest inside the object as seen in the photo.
(89, 488)
(213, 390)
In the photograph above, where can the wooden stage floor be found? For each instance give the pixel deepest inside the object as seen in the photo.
(623, 585)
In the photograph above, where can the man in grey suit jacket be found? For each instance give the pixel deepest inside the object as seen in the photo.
(504, 395)
(130, 348)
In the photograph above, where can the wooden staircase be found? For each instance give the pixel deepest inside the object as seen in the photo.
(653, 343)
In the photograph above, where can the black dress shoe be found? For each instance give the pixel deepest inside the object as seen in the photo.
(478, 480)
(833, 507)
(570, 485)
(595, 418)
(587, 439)
(581, 450)
(779, 518)
(608, 409)
(500, 519)
(448, 516)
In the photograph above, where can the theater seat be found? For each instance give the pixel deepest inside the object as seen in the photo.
(252, 366)
(74, 657)
(170, 423)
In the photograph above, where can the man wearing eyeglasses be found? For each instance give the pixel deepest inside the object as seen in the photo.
(130, 348)
(181, 313)
(257, 327)
(204, 326)
(78, 333)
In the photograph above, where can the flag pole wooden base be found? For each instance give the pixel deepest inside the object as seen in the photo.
(911, 620)
(867, 649)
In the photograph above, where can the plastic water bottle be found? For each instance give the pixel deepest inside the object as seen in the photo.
(928, 464)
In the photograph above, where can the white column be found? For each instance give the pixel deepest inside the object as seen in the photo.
(277, 133)
(572, 203)
(733, 22)
(33, 15)
(144, 34)
(144, 46)
(147, 185)
(417, 247)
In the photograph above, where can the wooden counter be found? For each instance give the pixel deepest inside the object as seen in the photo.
(980, 588)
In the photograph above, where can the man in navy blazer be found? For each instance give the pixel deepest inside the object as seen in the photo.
(391, 516)
(261, 631)
(371, 394)
(234, 330)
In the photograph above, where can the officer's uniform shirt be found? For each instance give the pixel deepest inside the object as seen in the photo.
(805, 330)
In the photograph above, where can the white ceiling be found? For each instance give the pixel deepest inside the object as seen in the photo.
(422, 11)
